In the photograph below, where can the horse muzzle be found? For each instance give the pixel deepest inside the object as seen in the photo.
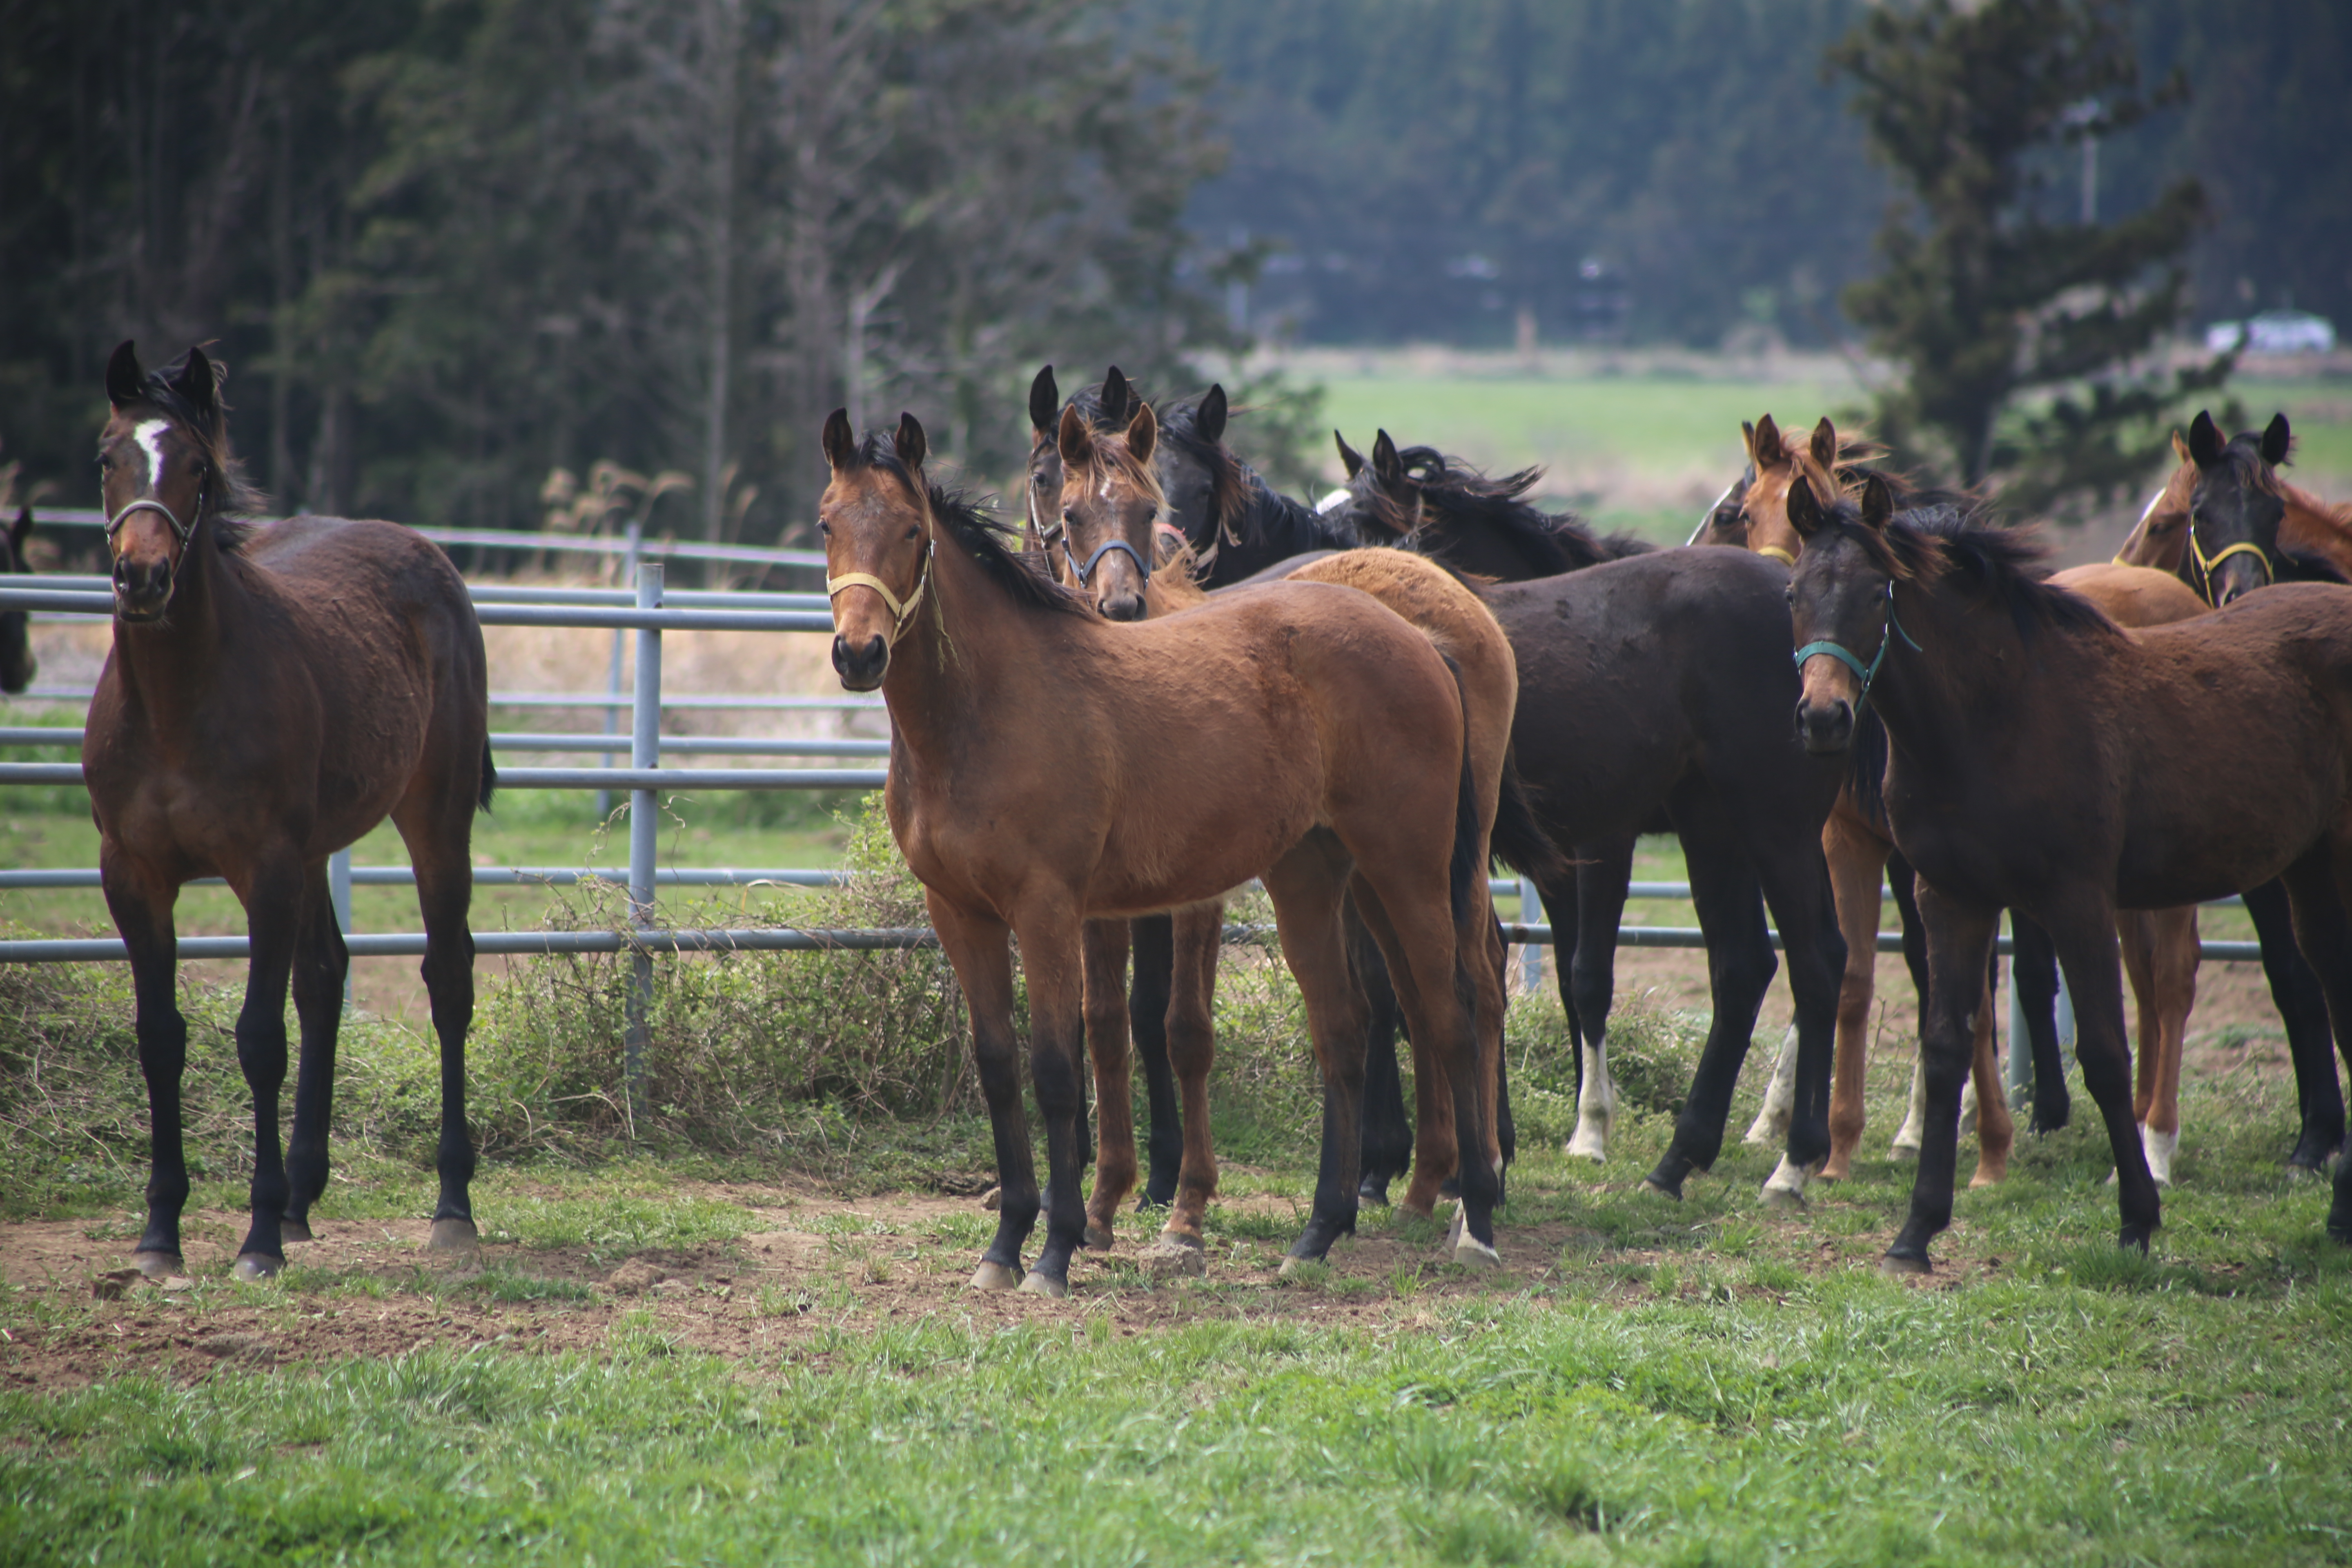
(1826, 727)
(142, 589)
(861, 666)
(1126, 607)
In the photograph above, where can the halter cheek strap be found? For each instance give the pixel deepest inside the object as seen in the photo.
(901, 611)
(1865, 673)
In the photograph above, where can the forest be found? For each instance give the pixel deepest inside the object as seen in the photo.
(450, 247)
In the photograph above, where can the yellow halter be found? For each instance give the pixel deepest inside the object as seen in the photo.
(901, 611)
(1774, 553)
(2207, 566)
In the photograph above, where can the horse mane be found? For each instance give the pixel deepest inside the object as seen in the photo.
(1994, 565)
(229, 497)
(994, 545)
(1466, 495)
(1244, 507)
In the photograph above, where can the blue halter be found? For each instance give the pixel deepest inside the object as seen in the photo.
(1080, 572)
(1865, 672)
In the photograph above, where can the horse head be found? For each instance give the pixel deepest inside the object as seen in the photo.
(2235, 509)
(1841, 607)
(162, 466)
(875, 519)
(1111, 508)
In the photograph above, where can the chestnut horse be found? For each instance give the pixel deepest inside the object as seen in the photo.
(1049, 767)
(2226, 524)
(2040, 758)
(273, 693)
(1109, 503)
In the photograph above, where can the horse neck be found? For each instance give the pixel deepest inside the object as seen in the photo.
(964, 638)
(2327, 527)
(1274, 528)
(168, 666)
(1931, 697)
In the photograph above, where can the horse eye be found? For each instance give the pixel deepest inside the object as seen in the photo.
(823, 526)
(1070, 514)
(913, 534)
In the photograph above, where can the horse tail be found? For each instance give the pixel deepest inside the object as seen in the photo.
(1468, 864)
(1519, 839)
(489, 777)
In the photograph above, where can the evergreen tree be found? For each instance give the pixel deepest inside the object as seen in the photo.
(2017, 317)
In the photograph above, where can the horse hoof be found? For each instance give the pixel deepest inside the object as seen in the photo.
(1902, 1266)
(2339, 1230)
(1904, 1153)
(292, 1229)
(1475, 1255)
(1651, 1184)
(1989, 1175)
(1373, 1190)
(1589, 1145)
(1767, 1130)
(1098, 1237)
(158, 1265)
(1783, 1198)
(995, 1276)
(1175, 1258)
(2134, 1238)
(1151, 1202)
(252, 1266)
(452, 1236)
(1036, 1283)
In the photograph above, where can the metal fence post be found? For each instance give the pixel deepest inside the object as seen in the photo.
(1530, 956)
(612, 670)
(645, 751)
(339, 893)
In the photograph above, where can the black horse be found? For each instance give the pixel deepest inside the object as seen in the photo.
(17, 665)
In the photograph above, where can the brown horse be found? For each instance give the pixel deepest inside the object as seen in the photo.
(2040, 758)
(272, 695)
(1111, 503)
(2225, 523)
(1049, 767)
(2160, 952)
(17, 665)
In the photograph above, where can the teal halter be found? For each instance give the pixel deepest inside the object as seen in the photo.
(1866, 673)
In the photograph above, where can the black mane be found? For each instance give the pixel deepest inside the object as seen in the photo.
(994, 546)
(229, 497)
(1244, 507)
(1994, 565)
(1466, 499)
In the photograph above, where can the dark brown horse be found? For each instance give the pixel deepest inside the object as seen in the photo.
(2040, 758)
(273, 694)
(1047, 767)
(17, 665)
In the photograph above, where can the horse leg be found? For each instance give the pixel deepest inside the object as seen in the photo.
(1436, 1162)
(1958, 942)
(1388, 1125)
(1105, 964)
(2174, 934)
(1798, 890)
(140, 900)
(1148, 1006)
(1506, 1133)
(2093, 969)
(1587, 982)
(1739, 967)
(1904, 882)
(272, 895)
(2034, 970)
(2302, 1003)
(1996, 1130)
(980, 952)
(438, 847)
(2318, 887)
(1196, 937)
(1857, 860)
(321, 962)
(1309, 886)
(1050, 940)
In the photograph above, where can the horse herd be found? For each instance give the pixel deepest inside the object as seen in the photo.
(1168, 681)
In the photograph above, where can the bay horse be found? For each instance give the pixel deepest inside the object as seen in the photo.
(17, 665)
(1049, 767)
(2226, 524)
(1110, 502)
(1612, 744)
(2161, 953)
(2041, 758)
(272, 694)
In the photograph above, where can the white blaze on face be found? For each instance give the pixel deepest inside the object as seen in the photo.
(150, 436)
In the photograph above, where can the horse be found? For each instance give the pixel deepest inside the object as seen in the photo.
(2225, 523)
(17, 664)
(1321, 747)
(2161, 953)
(272, 694)
(1662, 743)
(1419, 499)
(2040, 757)
(1108, 507)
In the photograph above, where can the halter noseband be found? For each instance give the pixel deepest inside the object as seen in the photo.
(1096, 559)
(901, 611)
(2208, 565)
(184, 533)
(1866, 673)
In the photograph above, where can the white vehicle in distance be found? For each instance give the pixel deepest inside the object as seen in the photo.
(2275, 332)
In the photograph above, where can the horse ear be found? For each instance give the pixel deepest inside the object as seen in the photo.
(1824, 445)
(2205, 441)
(1142, 433)
(1116, 394)
(1077, 443)
(126, 383)
(1386, 464)
(1804, 508)
(840, 442)
(911, 445)
(1767, 448)
(1044, 398)
(2180, 448)
(1349, 457)
(2277, 440)
(1748, 438)
(1209, 424)
(1877, 501)
(196, 378)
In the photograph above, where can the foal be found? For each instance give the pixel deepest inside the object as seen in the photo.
(273, 694)
(1047, 767)
(2039, 758)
